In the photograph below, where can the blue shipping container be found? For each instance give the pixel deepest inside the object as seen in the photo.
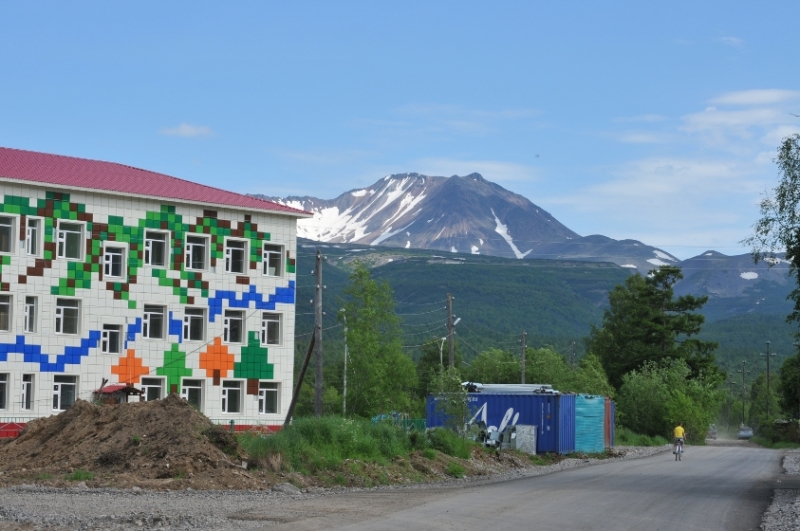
(590, 413)
(553, 415)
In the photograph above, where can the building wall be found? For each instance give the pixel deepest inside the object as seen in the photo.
(109, 222)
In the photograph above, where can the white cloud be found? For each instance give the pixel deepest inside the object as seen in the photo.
(634, 137)
(495, 171)
(187, 130)
(732, 41)
(648, 118)
(756, 97)
(776, 135)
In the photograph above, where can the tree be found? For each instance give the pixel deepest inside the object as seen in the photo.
(645, 322)
(789, 386)
(779, 226)
(495, 366)
(380, 377)
(430, 364)
(452, 400)
(758, 406)
(654, 398)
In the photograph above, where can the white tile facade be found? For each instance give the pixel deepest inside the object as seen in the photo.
(69, 342)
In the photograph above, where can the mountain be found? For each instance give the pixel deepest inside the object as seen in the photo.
(466, 214)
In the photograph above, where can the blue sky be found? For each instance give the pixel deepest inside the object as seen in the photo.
(627, 119)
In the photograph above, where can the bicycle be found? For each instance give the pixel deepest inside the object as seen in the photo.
(678, 448)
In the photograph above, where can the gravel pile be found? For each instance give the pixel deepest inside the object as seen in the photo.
(35, 508)
(784, 512)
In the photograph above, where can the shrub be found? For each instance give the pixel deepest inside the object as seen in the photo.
(450, 443)
(456, 470)
(429, 453)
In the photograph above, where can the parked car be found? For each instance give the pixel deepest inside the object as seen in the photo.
(745, 432)
(712, 432)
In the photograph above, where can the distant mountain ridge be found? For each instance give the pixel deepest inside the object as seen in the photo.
(466, 214)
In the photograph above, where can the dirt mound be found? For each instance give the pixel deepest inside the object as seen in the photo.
(149, 444)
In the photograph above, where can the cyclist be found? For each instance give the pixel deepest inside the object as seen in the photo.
(680, 434)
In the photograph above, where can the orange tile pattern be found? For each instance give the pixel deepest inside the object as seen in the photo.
(216, 358)
(130, 368)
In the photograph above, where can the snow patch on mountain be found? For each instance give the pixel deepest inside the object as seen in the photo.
(749, 275)
(475, 250)
(657, 262)
(502, 230)
(628, 266)
(663, 256)
(388, 234)
(360, 193)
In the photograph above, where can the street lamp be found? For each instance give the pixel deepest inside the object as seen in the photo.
(441, 347)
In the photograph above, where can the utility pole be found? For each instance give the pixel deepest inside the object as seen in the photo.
(768, 355)
(730, 398)
(344, 388)
(318, 336)
(522, 358)
(450, 347)
(744, 372)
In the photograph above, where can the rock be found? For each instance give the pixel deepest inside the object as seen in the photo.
(82, 485)
(286, 488)
(137, 490)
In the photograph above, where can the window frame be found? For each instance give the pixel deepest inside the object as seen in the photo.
(276, 250)
(265, 329)
(148, 252)
(34, 249)
(12, 235)
(60, 231)
(60, 317)
(106, 338)
(7, 309)
(147, 311)
(58, 388)
(262, 397)
(187, 323)
(148, 383)
(185, 391)
(26, 396)
(234, 386)
(110, 251)
(4, 385)
(188, 262)
(31, 314)
(227, 330)
(229, 255)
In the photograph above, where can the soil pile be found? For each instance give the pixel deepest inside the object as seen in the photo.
(148, 444)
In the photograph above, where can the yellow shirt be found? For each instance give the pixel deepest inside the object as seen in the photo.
(679, 432)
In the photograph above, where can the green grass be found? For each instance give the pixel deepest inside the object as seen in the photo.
(79, 475)
(456, 470)
(625, 437)
(780, 445)
(429, 453)
(450, 443)
(44, 476)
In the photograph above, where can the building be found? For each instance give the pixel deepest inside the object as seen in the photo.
(115, 275)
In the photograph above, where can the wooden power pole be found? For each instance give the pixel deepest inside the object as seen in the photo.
(318, 336)
(522, 357)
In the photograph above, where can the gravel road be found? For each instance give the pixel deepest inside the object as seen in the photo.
(29, 507)
(784, 512)
(618, 494)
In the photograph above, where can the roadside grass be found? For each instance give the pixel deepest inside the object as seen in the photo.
(312, 445)
(780, 445)
(625, 437)
(79, 475)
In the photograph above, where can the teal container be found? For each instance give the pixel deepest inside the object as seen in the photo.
(590, 413)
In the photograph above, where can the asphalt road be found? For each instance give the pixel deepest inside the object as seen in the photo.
(725, 488)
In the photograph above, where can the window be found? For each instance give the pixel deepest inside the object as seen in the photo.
(67, 316)
(272, 257)
(113, 261)
(233, 330)
(65, 389)
(112, 339)
(6, 234)
(155, 248)
(192, 392)
(69, 240)
(153, 321)
(27, 392)
(152, 388)
(268, 397)
(3, 391)
(196, 247)
(270, 328)
(5, 313)
(194, 321)
(231, 397)
(235, 253)
(32, 236)
(31, 305)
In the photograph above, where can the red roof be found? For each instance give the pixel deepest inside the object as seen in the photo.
(113, 388)
(59, 170)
